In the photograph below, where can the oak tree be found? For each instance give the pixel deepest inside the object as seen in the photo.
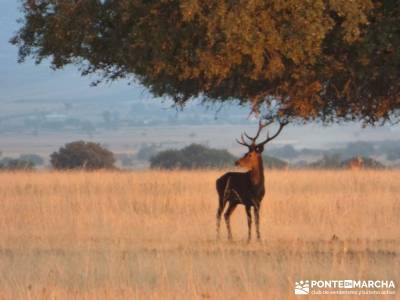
(329, 60)
(82, 155)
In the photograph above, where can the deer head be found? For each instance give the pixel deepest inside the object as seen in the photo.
(252, 158)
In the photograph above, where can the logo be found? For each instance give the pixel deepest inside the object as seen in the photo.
(345, 287)
(302, 287)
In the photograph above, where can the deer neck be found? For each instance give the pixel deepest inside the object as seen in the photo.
(257, 174)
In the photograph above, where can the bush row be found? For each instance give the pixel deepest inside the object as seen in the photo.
(92, 156)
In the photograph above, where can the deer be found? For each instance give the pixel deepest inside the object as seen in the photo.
(245, 188)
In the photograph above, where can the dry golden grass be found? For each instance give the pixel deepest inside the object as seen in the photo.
(151, 234)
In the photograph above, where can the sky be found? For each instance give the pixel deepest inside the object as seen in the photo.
(30, 82)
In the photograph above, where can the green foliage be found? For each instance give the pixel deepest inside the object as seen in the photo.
(324, 59)
(169, 159)
(10, 164)
(193, 156)
(82, 155)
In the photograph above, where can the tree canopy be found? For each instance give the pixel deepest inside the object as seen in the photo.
(328, 60)
(194, 156)
(82, 155)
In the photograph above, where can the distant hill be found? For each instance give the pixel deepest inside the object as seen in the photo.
(388, 149)
(271, 162)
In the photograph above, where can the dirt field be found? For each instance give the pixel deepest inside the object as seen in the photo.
(151, 235)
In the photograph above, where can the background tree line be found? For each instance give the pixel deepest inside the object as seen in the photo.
(92, 156)
(390, 150)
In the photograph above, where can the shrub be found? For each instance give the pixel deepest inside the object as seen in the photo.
(335, 162)
(37, 160)
(367, 163)
(82, 155)
(193, 156)
(168, 159)
(11, 164)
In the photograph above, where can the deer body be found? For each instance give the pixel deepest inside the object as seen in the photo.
(238, 188)
(245, 188)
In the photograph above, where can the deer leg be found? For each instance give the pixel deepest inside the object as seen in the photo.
(248, 213)
(219, 214)
(257, 220)
(227, 216)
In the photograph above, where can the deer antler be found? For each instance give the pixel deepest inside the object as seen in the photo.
(261, 126)
(281, 125)
(243, 142)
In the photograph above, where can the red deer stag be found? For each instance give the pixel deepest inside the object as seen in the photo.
(245, 188)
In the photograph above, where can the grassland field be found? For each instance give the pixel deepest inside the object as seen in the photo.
(151, 235)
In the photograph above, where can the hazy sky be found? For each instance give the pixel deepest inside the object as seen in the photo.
(29, 81)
